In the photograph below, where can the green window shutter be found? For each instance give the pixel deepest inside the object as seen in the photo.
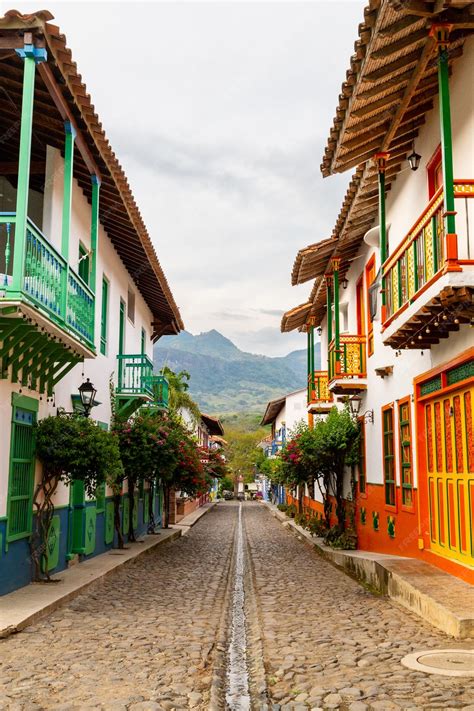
(103, 322)
(143, 341)
(22, 474)
(84, 264)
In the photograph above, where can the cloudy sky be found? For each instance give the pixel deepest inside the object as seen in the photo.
(219, 113)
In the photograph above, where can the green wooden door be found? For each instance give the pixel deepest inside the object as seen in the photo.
(109, 522)
(77, 518)
(54, 537)
(90, 526)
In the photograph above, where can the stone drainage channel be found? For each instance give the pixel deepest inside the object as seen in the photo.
(240, 677)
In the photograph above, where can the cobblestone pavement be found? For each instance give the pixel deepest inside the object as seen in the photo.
(144, 639)
(328, 643)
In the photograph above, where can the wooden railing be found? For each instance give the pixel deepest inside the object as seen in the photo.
(420, 257)
(352, 358)
(46, 281)
(318, 390)
(135, 375)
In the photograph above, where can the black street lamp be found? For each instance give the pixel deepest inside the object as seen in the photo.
(354, 404)
(87, 393)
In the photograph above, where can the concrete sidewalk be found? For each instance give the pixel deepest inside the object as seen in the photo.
(191, 519)
(442, 600)
(22, 607)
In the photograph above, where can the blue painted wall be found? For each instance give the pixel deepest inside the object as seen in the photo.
(15, 564)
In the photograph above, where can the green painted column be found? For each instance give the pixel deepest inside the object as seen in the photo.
(94, 230)
(31, 56)
(308, 364)
(381, 160)
(337, 343)
(442, 35)
(70, 135)
(328, 279)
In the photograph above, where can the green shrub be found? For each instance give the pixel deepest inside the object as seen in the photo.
(316, 526)
(291, 511)
(347, 540)
(282, 507)
(301, 519)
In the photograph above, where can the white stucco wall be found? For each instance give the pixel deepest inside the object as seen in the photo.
(102, 367)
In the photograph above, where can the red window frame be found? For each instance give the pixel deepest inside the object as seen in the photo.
(433, 168)
(370, 275)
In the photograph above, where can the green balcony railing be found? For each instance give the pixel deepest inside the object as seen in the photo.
(160, 391)
(46, 281)
(135, 375)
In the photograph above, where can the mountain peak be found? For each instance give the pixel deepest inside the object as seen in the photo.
(226, 379)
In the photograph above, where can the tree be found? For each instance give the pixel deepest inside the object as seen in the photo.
(70, 448)
(179, 397)
(322, 453)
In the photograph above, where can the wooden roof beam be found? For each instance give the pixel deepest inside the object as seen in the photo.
(397, 45)
(66, 114)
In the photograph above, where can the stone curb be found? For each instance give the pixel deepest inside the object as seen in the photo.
(193, 518)
(397, 577)
(23, 607)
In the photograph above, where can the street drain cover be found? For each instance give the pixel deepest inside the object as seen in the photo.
(449, 662)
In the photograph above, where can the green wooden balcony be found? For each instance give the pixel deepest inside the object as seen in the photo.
(160, 392)
(46, 310)
(134, 382)
(46, 282)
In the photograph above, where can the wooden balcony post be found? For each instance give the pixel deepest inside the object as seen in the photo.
(328, 279)
(440, 32)
(337, 345)
(31, 57)
(94, 236)
(381, 160)
(312, 359)
(308, 363)
(94, 230)
(70, 135)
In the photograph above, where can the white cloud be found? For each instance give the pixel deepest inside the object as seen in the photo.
(219, 113)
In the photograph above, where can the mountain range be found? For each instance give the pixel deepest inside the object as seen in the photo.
(225, 379)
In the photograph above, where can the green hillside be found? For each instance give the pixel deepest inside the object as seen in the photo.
(225, 379)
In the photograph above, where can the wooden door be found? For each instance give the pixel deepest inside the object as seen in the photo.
(449, 452)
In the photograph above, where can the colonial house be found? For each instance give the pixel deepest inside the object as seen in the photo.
(283, 415)
(82, 293)
(393, 285)
(209, 434)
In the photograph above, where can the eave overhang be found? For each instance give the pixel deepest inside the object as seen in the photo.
(392, 81)
(118, 211)
(273, 408)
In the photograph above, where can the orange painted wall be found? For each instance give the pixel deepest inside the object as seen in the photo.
(405, 540)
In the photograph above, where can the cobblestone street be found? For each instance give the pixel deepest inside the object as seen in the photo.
(145, 639)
